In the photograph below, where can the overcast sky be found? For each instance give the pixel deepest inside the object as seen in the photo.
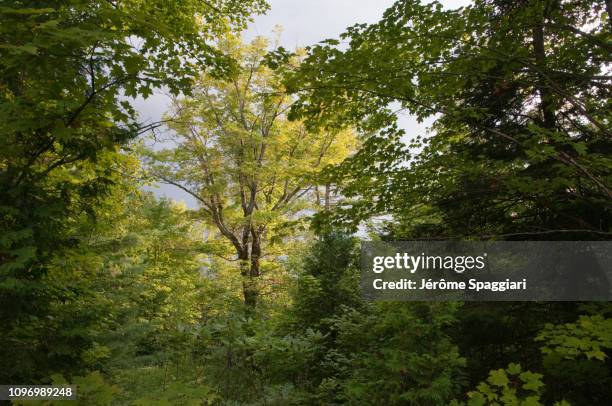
(304, 22)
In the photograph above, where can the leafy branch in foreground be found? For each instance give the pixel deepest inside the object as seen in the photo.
(67, 72)
(520, 95)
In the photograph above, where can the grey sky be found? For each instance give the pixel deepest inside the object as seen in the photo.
(304, 22)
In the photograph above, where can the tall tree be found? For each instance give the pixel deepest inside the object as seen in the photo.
(250, 169)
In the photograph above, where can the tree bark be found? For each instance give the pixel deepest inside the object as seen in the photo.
(609, 11)
(546, 105)
(250, 269)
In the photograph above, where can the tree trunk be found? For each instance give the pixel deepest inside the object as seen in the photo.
(609, 11)
(249, 269)
(250, 292)
(546, 105)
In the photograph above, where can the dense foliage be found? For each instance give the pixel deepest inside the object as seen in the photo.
(66, 68)
(143, 301)
(521, 96)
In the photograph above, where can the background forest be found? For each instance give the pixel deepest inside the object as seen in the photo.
(253, 297)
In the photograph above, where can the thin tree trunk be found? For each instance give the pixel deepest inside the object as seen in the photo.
(609, 11)
(546, 105)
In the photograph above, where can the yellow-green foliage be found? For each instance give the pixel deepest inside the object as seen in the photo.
(253, 172)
